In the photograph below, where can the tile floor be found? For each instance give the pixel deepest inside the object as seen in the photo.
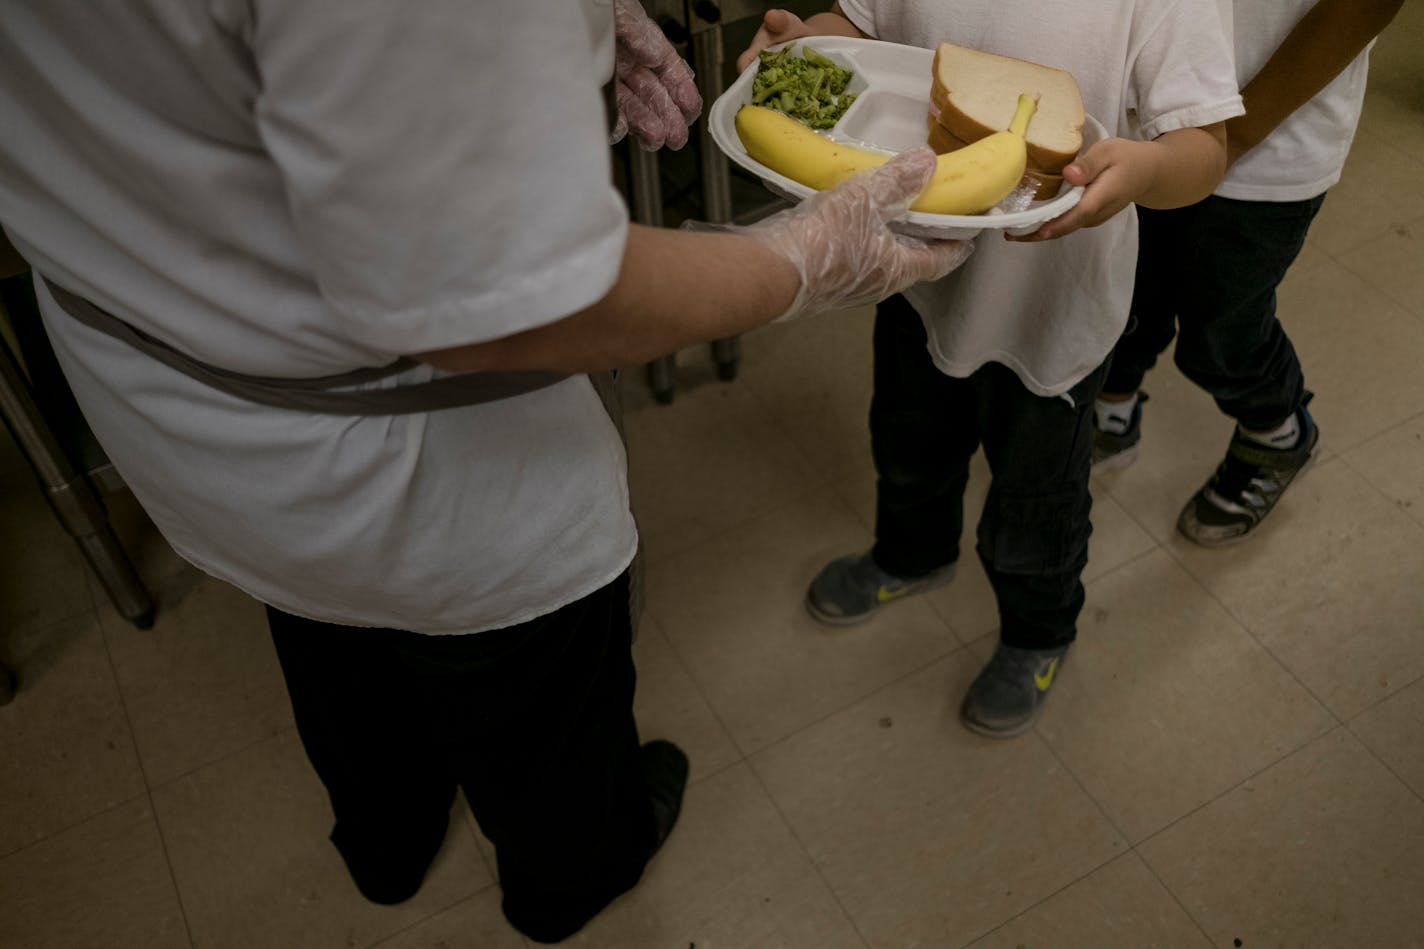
(1234, 757)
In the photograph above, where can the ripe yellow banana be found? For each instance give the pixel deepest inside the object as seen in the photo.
(970, 180)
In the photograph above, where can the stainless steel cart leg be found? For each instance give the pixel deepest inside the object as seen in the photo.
(707, 56)
(646, 200)
(73, 498)
(727, 352)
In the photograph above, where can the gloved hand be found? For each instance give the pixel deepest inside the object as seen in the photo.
(657, 97)
(839, 242)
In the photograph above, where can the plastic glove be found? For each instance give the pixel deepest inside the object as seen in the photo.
(839, 242)
(657, 97)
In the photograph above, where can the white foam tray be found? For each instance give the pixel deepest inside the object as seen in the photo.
(892, 87)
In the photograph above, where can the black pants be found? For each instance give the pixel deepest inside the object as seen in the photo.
(1033, 533)
(1209, 273)
(534, 722)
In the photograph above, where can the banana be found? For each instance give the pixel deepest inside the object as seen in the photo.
(970, 180)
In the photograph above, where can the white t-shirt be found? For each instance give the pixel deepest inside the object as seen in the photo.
(1303, 156)
(300, 188)
(1052, 311)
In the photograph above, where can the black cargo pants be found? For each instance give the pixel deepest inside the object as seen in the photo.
(1033, 532)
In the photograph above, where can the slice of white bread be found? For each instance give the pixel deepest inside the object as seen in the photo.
(976, 93)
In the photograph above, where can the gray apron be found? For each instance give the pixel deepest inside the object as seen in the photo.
(331, 395)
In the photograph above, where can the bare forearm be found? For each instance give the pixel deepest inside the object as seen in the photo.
(1324, 42)
(1188, 165)
(675, 288)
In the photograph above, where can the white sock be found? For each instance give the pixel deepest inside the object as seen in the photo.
(1282, 437)
(1115, 417)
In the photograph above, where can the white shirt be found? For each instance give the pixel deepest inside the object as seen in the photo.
(1052, 311)
(1303, 156)
(303, 187)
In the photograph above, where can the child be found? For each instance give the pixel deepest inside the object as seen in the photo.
(1008, 352)
(1214, 267)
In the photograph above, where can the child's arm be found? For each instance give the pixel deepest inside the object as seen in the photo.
(1175, 169)
(778, 26)
(1325, 41)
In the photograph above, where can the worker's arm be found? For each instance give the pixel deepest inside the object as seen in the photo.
(676, 288)
(1324, 42)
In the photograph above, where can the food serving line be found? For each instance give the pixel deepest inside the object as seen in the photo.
(870, 99)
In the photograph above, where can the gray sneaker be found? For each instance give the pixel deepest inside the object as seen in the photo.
(1008, 696)
(1111, 451)
(1246, 486)
(851, 589)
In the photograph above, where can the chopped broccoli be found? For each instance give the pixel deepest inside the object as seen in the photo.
(809, 87)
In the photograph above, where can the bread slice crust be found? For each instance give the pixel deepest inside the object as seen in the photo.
(975, 94)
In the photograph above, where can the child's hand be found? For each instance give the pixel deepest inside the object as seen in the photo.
(1114, 172)
(1175, 169)
(777, 26)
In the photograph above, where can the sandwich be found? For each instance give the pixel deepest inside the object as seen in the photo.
(973, 94)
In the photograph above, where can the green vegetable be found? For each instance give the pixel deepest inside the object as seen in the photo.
(810, 88)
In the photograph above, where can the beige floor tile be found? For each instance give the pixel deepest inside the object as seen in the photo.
(1392, 730)
(814, 375)
(733, 609)
(731, 876)
(66, 752)
(475, 923)
(1394, 265)
(1362, 206)
(1184, 436)
(929, 835)
(1392, 462)
(967, 602)
(42, 575)
(1321, 850)
(713, 459)
(1392, 107)
(1166, 702)
(1332, 591)
(1117, 538)
(856, 487)
(247, 839)
(1121, 906)
(203, 682)
(668, 705)
(1364, 369)
(103, 884)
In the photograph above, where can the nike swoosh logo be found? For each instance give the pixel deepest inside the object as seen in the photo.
(1045, 680)
(885, 594)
